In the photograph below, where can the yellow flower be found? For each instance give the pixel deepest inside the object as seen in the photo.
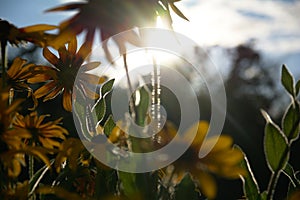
(35, 34)
(32, 128)
(20, 72)
(222, 160)
(61, 76)
(71, 150)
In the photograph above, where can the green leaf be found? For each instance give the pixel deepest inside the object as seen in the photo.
(297, 87)
(84, 115)
(275, 145)
(287, 80)
(178, 12)
(186, 189)
(290, 173)
(107, 87)
(80, 112)
(263, 196)
(109, 125)
(290, 121)
(100, 109)
(250, 186)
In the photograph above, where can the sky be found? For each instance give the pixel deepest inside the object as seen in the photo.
(273, 25)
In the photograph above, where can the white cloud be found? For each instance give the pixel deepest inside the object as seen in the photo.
(273, 24)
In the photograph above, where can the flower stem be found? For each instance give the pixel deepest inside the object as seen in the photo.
(132, 100)
(276, 174)
(4, 62)
(31, 171)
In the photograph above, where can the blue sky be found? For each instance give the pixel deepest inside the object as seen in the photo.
(274, 25)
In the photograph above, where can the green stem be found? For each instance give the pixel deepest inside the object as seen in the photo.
(30, 166)
(31, 171)
(276, 174)
(4, 62)
(132, 100)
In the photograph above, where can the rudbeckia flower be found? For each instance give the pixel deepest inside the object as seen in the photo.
(32, 129)
(223, 160)
(112, 17)
(61, 77)
(19, 73)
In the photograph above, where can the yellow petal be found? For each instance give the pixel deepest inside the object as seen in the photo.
(89, 66)
(218, 143)
(49, 143)
(67, 101)
(16, 67)
(207, 184)
(54, 93)
(20, 132)
(50, 56)
(14, 106)
(15, 169)
(41, 119)
(84, 50)
(61, 39)
(71, 6)
(39, 153)
(57, 133)
(45, 89)
(72, 46)
(38, 27)
(38, 78)
(201, 131)
(91, 78)
(229, 157)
